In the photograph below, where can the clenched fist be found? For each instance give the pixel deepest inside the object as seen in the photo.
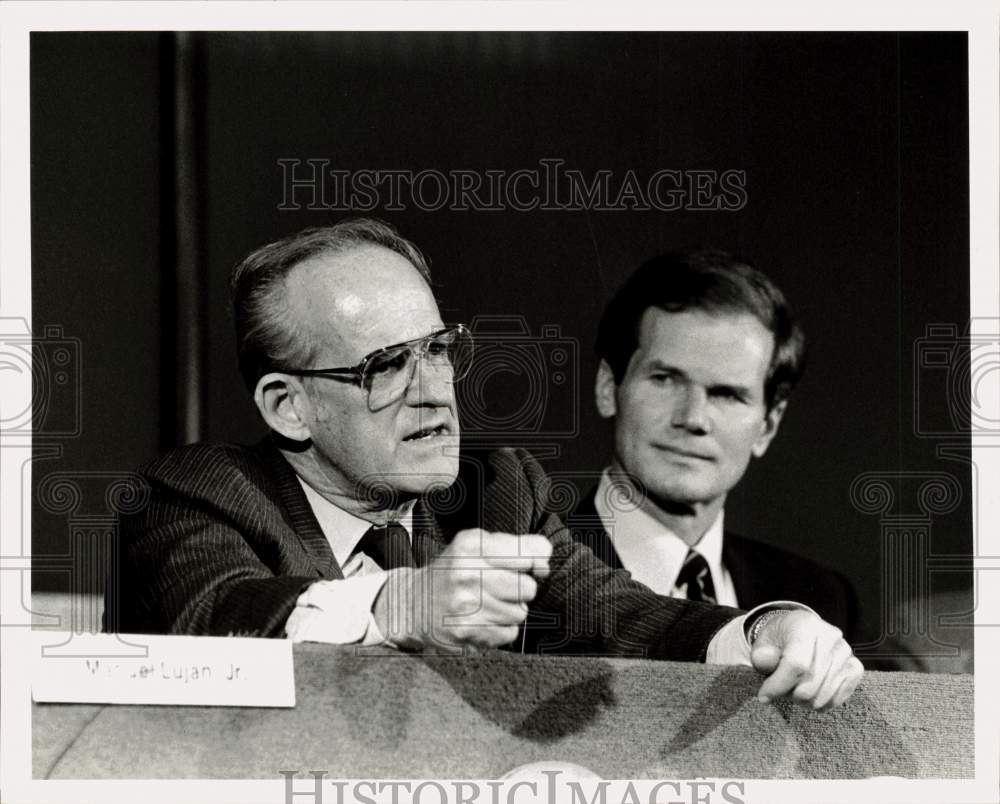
(476, 593)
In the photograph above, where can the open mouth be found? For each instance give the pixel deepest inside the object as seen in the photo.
(426, 433)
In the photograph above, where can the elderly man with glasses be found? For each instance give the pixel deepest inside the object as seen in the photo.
(360, 520)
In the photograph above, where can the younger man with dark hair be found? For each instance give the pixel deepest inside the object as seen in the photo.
(699, 354)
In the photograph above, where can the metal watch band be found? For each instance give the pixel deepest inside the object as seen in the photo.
(760, 622)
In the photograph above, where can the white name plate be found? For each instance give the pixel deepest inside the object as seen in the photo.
(182, 670)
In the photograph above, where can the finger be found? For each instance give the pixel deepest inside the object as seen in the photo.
(500, 612)
(482, 635)
(540, 549)
(476, 543)
(845, 685)
(822, 696)
(829, 657)
(527, 553)
(854, 674)
(498, 635)
(794, 667)
(472, 639)
(489, 612)
(508, 585)
(765, 658)
(488, 623)
(475, 586)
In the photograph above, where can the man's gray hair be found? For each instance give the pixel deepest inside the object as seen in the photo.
(268, 338)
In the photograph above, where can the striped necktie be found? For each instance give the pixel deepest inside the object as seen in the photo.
(389, 547)
(696, 579)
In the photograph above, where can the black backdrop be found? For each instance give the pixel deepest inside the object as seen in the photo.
(854, 153)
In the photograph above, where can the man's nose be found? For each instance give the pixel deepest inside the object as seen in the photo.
(691, 410)
(430, 384)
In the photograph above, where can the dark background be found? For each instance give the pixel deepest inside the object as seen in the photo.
(854, 146)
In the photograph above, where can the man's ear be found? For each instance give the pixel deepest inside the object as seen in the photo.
(769, 429)
(281, 401)
(604, 391)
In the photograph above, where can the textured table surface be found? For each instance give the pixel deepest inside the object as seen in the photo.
(400, 716)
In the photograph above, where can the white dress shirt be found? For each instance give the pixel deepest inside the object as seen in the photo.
(340, 611)
(654, 554)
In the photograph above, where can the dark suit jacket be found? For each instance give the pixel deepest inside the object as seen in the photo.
(761, 572)
(227, 542)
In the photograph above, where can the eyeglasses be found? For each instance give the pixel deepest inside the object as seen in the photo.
(386, 373)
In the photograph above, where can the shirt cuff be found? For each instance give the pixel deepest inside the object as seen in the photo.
(730, 645)
(338, 612)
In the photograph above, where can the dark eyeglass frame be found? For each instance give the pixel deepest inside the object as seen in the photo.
(357, 372)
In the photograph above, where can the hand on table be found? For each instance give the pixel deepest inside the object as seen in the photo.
(805, 658)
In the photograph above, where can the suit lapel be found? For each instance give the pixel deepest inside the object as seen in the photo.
(443, 512)
(588, 529)
(748, 581)
(300, 516)
(428, 538)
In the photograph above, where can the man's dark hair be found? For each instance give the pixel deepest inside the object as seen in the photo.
(714, 282)
(267, 336)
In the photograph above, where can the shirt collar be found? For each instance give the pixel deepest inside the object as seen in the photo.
(343, 530)
(648, 549)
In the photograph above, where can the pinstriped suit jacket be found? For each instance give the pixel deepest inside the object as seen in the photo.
(761, 573)
(228, 542)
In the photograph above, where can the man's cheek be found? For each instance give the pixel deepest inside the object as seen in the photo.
(451, 466)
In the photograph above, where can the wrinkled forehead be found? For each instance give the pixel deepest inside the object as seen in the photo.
(354, 301)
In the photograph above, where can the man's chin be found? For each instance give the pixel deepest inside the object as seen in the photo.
(431, 473)
(683, 495)
(392, 490)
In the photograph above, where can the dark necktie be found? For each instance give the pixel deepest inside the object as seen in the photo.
(696, 578)
(389, 547)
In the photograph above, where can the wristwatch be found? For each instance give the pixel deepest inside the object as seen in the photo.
(758, 625)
